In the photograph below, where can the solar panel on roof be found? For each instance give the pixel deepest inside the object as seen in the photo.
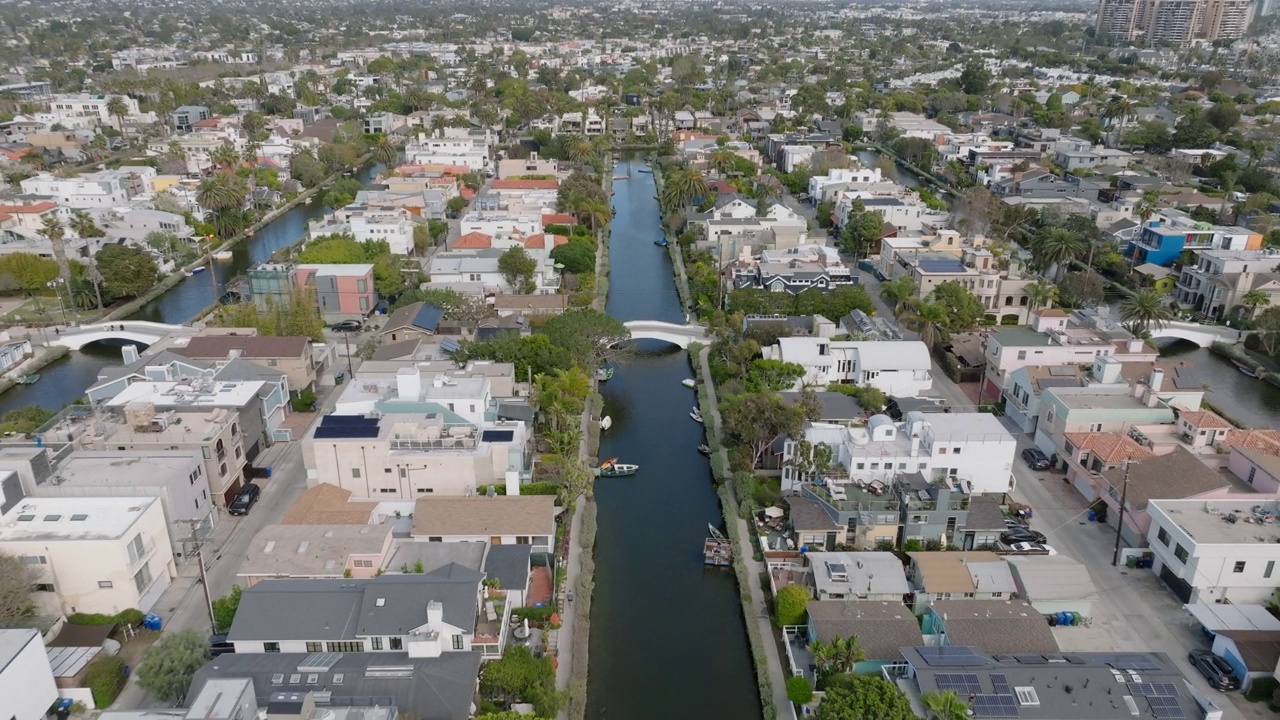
(941, 266)
(962, 683)
(994, 706)
(450, 345)
(950, 656)
(1000, 684)
(347, 421)
(319, 662)
(1166, 707)
(333, 432)
(1129, 661)
(1153, 689)
(497, 436)
(428, 317)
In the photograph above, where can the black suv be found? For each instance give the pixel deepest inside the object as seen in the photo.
(1214, 669)
(247, 496)
(1036, 459)
(1017, 535)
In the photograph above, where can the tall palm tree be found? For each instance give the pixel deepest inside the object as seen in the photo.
(384, 151)
(82, 222)
(1148, 205)
(224, 156)
(1056, 246)
(824, 657)
(927, 318)
(1145, 310)
(721, 161)
(898, 292)
(579, 150)
(223, 196)
(682, 187)
(595, 212)
(117, 108)
(945, 705)
(768, 190)
(848, 652)
(52, 230)
(1253, 300)
(1118, 110)
(1041, 294)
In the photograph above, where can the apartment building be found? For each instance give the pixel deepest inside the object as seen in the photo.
(1163, 241)
(499, 223)
(69, 108)
(342, 292)
(1219, 279)
(897, 367)
(971, 450)
(453, 146)
(1118, 19)
(102, 189)
(1217, 550)
(91, 554)
(929, 262)
(291, 355)
(380, 223)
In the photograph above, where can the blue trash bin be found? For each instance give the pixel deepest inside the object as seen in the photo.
(151, 622)
(1093, 516)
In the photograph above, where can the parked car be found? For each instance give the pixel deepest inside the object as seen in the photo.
(1011, 536)
(1036, 459)
(1014, 522)
(347, 326)
(1033, 547)
(1214, 669)
(218, 645)
(245, 499)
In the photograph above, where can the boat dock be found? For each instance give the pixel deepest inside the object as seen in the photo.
(717, 551)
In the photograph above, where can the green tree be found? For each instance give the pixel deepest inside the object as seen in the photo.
(333, 250)
(799, 690)
(789, 607)
(520, 677)
(946, 705)
(577, 256)
(1041, 294)
(681, 187)
(929, 319)
(117, 108)
(84, 226)
(225, 607)
(384, 150)
(27, 272)
(1145, 310)
(591, 337)
(772, 375)
(127, 271)
(168, 665)
(975, 78)
(532, 355)
(1253, 300)
(962, 307)
(517, 268)
(306, 169)
(1223, 116)
(1056, 247)
(342, 193)
(858, 697)
(861, 230)
(223, 196)
(754, 420)
(1267, 328)
(899, 292)
(53, 231)
(1081, 289)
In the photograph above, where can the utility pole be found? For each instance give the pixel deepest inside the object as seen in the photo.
(204, 580)
(346, 338)
(1124, 497)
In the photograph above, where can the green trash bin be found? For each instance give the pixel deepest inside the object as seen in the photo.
(340, 378)
(1131, 562)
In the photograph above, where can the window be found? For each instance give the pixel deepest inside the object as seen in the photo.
(1163, 536)
(274, 647)
(375, 643)
(457, 642)
(136, 548)
(942, 451)
(105, 585)
(345, 646)
(362, 285)
(355, 473)
(1271, 565)
(1022, 354)
(1239, 567)
(222, 470)
(362, 563)
(315, 647)
(43, 587)
(34, 560)
(1180, 553)
(142, 579)
(387, 491)
(204, 450)
(1252, 472)
(955, 451)
(395, 644)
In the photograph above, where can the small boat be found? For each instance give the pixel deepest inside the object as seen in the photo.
(705, 449)
(1245, 369)
(688, 382)
(646, 170)
(604, 374)
(696, 414)
(28, 379)
(661, 242)
(199, 269)
(224, 255)
(188, 273)
(613, 468)
(606, 422)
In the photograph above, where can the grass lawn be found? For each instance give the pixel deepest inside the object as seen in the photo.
(45, 310)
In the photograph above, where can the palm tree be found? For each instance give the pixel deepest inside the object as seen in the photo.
(224, 156)
(682, 187)
(1253, 300)
(1118, 108)
(82, 222)
(53, 231)
(579, 151)
(946, 705)
(927, 318)
(1144, 310)
(594, 212)
(1229, 179)
(848, 652)
(767, 190)
(117, 108)
(824, 657)
(1056, 246)
(721, 160)
(1148, 205)
(1041, 294)
(898, 292)
(223, 196)
(384, 151)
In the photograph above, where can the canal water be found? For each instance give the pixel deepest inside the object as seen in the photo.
(65, 380)
(667, 635)
(1251, 401)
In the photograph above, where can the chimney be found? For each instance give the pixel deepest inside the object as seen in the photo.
(1135, 345)
(408, 383)
(130, 353)
(235, 353)
(435, 615)
(1156, 381)
(513, 483)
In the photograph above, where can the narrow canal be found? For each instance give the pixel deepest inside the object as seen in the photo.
(67, 379)
(667, 637)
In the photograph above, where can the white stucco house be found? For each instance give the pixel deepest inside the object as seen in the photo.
(896, 367)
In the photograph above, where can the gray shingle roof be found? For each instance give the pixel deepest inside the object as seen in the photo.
(882, 627)
(809, 515)
(439, 688)
(509, 564)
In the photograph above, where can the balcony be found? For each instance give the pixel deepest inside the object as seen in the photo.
(137, 561)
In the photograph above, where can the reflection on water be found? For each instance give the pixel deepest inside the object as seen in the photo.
(1247, 400)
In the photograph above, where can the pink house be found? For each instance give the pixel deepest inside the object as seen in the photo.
(343, 292)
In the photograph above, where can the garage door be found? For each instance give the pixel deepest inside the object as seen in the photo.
(1180, 587)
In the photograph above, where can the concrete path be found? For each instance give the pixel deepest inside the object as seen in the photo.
(569, 614)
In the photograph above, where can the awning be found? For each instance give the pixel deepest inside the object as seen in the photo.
(773, 512)
(1216, 618)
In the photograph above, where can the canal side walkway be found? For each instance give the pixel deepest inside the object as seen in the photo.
(759, 608)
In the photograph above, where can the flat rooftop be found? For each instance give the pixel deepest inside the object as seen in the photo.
(1206, 521)
(206, 393)
(103, 469)
(303, 550)
(56, 519)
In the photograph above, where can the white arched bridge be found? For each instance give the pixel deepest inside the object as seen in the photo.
(1202, 335)
(673, 333)
(135, 331)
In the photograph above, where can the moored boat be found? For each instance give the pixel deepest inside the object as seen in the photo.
(688, 382)
(1245, 369)
(705, 449)
(613, 468)
(661, 242)
(28, 379)
(604, 374)
(696, 414)
(199, 269)
(224, 255)
(606, 422)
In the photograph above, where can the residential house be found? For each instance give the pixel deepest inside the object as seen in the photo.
(1051, 685)
(499, 520)
(1053, 583)
(532, 165)
(26, 680)
(185, 117)
(1087, 159)
(882, 629)
(474, 272)
(291, 355)
(342, 292)
(812, 527)
(1252, 654)
(519, 305)
(1162, 241)
(1216, 283)
(418, 319)
(377, 223)
(994, 626)
(971, 451)
(1217, 549)
(453, 146)
(1044, 184)
(1257, 464)
(941, 576)
(821, 187)
(897, 367)
(315, 552)
(858, 576)
(102, 189)
(1176, 475)
(793, 270)
(272, 284)
(90, 554)
(13, 352)
(945, 257)
(837, 408)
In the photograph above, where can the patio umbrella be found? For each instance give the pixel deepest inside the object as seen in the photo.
(773, 512)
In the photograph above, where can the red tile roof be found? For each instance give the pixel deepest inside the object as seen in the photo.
(467, 193)
(1206, 420)
(1266, 441)
(559, 219)
(1111, 448)
(526, 184)
(37, 208)
(539, 241)
(473, 241)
